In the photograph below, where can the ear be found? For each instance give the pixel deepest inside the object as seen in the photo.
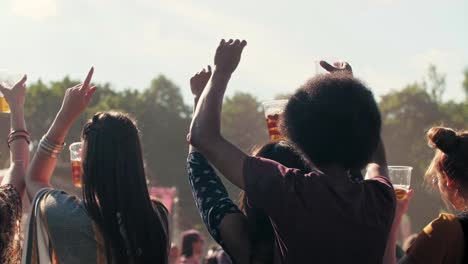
(451, 184)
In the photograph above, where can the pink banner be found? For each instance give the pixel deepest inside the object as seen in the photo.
(165, 195)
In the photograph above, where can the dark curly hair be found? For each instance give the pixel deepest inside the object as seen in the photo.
(334, 119)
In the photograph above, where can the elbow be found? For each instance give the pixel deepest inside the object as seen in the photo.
(197, 137)
(200, 138)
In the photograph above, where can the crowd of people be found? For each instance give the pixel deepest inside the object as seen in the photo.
(304, 198)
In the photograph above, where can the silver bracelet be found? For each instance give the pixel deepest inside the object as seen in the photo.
(50, 148)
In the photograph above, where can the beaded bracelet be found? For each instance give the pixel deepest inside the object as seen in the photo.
(18, 134)
(15, 137)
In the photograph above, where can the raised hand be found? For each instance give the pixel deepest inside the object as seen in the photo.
(228, 55)
(341, 66)
(402, 204)
(77, 99)
(15, 96)
(199, 81)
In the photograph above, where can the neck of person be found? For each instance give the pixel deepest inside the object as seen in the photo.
(194, 259)
(335, 173)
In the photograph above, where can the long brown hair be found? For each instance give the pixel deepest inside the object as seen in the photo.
(451, 157)
(115, 193)
(259, 225)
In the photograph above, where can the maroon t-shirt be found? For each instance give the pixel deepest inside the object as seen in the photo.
(316, 221)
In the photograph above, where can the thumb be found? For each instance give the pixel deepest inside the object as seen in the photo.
(90, 94)
(3, 89)
(410, 194)
(22, 81)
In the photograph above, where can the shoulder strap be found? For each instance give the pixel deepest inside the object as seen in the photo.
(463, 218)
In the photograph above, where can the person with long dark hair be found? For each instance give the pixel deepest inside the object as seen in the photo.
(116, 222)
(12, 184)
(321, 216)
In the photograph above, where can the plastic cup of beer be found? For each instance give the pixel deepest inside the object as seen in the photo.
(400, 176)
(7, 80)
(75, 158)
(273, 111)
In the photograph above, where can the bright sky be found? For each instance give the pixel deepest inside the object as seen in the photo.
(388, 42)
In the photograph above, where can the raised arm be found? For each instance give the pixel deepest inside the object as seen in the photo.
(18, 140)
(223, 219)
(400, 210)
(378, 165)
(205, 132)
(43, 164)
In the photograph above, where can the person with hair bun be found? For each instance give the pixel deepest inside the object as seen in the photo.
(445, 239)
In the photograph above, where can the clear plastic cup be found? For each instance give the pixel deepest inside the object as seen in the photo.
(75, 158)
(400, 176)
(273, 111)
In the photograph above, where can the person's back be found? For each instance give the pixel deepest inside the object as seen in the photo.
(116, 221)
(75, 236)
(323, 216)
(320, 217)
(323, 219)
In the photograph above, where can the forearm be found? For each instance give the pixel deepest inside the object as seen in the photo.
(205, 132)
(43, 163)
(195, 103)
(207, 118)
(59, 129)
(19, 148)
(390, 250)
(19, 152)
(380, 158)
(210, 195)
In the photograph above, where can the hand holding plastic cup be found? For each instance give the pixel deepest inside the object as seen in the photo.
(8, 80)
(75, 158)
(400, 176)
(273, 111)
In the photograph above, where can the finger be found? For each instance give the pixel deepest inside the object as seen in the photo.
(88, 78)
(243, 43)
(3, 89)
(90, 93)
(230, 41)
(22, 81)
(236, 42)
(209, 69)
(348, 67)
(327, 66)
(221, 45)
